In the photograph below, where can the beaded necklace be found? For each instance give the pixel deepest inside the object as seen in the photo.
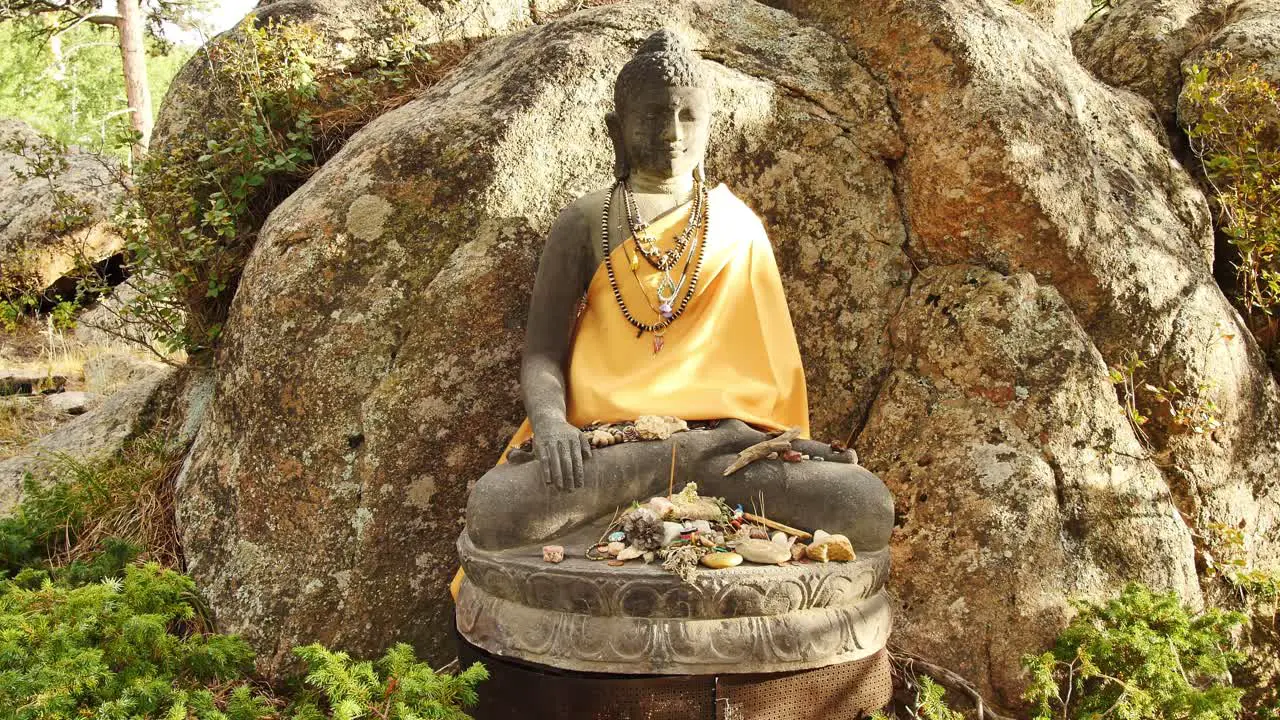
(661, 261)
(695, 254)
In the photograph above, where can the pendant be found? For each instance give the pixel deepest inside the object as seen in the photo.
(633, 258)
(658, 342)
(665, 311)
(666, 290)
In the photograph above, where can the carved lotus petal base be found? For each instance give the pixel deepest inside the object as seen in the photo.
(589, 617)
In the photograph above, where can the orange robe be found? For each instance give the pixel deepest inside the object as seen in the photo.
(732, 354)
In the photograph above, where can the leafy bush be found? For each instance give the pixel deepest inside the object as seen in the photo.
(1141, 656)
(1232, 118)
(87, 632)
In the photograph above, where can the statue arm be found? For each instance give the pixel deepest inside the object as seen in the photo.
(559, 446)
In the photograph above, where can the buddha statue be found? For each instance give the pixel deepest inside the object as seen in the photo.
(660, 296)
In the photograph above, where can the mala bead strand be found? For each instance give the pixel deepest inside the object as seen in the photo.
(644, 327)
(664, 261)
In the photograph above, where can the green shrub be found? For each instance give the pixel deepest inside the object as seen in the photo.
(1141, 656)
(86, 632)
(1232, 118)
(135, 648)
(397, 687)
(111, 649)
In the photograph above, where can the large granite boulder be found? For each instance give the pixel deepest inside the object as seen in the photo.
(1251, 34)
(1044, 170)
(351, 36)
(1139, 45)
(1014, 471)
(54, 208)
(965, 248)
(326, 487)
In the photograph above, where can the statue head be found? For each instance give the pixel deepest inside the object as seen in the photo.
(662, 110)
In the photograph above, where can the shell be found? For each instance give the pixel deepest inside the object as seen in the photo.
(655, 427)
(600, 438)
(553, 553)
(615, 548)
(721, 560)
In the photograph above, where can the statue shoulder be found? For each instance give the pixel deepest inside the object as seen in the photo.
(585, 210)
(733, 211)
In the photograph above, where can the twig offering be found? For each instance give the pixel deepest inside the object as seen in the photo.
(760, 450)
(775, 525)
(671, 481)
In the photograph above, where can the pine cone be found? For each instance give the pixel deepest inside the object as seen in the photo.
(643, 528)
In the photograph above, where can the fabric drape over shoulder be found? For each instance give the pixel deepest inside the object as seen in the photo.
(732, 354)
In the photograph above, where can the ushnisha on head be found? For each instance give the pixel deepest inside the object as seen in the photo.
(662, 110)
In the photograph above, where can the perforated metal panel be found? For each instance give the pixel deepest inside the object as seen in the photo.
(839, 692)
(519, 691)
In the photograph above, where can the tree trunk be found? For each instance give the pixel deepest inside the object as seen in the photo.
(133, 54)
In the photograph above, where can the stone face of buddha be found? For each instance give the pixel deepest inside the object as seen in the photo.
(663, 132)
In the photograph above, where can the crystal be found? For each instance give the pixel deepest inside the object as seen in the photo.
(658, 342)
(665, 310)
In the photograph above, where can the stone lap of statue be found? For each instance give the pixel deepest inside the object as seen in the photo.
(696, 327)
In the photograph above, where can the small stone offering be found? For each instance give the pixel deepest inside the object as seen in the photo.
(765, 552)
(553, 553)
(615, 548)
(721, 560)
(827, 547)
(630, 553)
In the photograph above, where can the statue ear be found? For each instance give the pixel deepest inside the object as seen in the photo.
(620, 167)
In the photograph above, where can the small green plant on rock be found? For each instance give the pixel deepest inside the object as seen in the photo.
(1141, 656)
(1232, 118)
(198, 205)
(1187, 410)
(1255, 586)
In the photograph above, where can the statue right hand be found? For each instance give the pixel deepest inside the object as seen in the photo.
(561, 451)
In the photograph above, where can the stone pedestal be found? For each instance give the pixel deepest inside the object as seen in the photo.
(588, 617)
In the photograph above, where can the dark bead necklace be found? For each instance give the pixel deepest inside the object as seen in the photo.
(703, 224)
(660, 260)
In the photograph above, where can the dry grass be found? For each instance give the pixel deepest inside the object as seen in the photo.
(128, 496)
(22, 421)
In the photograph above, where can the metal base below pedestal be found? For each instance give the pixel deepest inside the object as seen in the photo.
(522, 691)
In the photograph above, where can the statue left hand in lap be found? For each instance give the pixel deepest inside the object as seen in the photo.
(684, 316)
